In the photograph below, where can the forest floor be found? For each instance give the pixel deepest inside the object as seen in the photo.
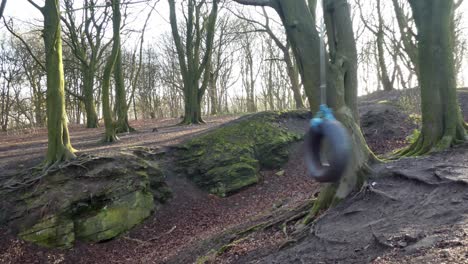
(421, 218)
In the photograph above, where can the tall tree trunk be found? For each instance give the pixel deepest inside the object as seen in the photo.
(213, 95)
(6, 106)
(110, 133)
(88, 92)
(387, 84)
(192, 100)
(193, 68)
(59, 147)
(121, 106)
(342, 96)
(300, 29)
(442, 122)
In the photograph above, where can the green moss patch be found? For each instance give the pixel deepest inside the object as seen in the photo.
(229, 158)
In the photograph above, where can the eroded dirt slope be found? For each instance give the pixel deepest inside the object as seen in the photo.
(412, 211)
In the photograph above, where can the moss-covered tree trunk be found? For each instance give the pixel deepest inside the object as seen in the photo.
(88, 92)
(442, 122)
(121, 106)
(59, 147)
(342, 96)
(300, 30)
(110, 125)
(192, 102)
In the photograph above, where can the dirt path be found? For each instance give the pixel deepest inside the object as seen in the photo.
(25, 148)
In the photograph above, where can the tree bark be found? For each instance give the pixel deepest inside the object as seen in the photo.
(342, 96)
(88, 92)
(122, 125)
(387, 84)
(442, 122)
(300, 30)
(59, 146)
(110, 133)
(213, 91)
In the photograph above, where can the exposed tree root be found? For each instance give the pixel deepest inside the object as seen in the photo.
(424, 146)
(323, 202)
(32, 176)
(110, 138)
(281, 220)
(124, 128)
(187, 122)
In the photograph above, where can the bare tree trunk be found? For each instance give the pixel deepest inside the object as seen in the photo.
(442, 122)
(59, 146)
(342, 96)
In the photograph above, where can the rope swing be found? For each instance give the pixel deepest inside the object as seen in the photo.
(325, 128)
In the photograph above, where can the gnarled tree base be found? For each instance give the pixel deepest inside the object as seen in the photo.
(425, 145)
(123, 127)
(65, 153)
(192, 121)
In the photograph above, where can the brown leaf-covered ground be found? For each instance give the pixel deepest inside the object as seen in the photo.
(192, 215)
(188, 218)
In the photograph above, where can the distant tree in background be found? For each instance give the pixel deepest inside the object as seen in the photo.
(109, 123)
(121, 107)
(86, 41)
(194, 54)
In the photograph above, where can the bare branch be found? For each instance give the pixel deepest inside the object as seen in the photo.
(255, 2)
(35, 5)
(10, 29)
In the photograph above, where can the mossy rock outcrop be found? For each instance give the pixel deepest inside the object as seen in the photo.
(91, 199)
(229, 158)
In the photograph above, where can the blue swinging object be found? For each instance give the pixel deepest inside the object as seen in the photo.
(325, 127)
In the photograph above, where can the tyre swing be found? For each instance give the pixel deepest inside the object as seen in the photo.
(325, 128)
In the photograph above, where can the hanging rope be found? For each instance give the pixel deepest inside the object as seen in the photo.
(324, 127)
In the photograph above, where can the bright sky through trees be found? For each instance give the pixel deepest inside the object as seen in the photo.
(25, 14)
